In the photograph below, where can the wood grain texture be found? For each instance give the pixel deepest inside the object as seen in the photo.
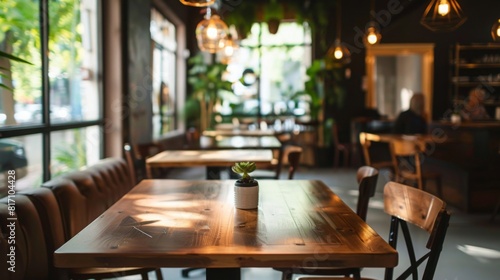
(177, 223)
(412, 205)
(188, 158)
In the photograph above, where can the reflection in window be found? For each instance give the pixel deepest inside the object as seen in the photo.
(163, 34)
(74, 149)
(23, 155)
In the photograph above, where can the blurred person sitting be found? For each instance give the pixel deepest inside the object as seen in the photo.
(474, 109)
(412, 121)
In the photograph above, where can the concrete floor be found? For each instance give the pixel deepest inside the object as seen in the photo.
(471, 249)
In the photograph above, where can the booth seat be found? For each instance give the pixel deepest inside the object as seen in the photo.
(47, 217)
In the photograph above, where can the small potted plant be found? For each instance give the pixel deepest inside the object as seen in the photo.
(246, 189)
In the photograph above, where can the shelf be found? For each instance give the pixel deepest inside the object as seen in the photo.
(471, 84)
(477, 65)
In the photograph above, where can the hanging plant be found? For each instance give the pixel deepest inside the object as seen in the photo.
(273, 14)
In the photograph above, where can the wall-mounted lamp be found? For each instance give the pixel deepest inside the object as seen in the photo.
(211, 33)
(443, 15)
(198, 3)
(495, 31)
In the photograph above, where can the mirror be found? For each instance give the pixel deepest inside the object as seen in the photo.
(395, 72)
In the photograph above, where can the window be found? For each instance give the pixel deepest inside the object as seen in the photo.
(280, 62)
(50, 120)
(163, 34)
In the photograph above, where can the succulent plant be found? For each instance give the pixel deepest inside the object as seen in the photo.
(244, 168)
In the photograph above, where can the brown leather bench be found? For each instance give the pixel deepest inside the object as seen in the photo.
(49, 216)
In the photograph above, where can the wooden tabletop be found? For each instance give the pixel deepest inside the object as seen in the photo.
(177, 223)
(239, 132)
(189, 158)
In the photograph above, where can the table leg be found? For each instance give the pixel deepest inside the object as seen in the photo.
(223, 273)
(213, 173)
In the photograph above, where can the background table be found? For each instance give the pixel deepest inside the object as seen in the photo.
(212, 159)
(177, 223)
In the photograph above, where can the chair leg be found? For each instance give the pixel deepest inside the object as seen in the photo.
(439, 187)
(185, 272)
(286, 275)
(159, 275)
(144, 276)
(496, 210)
(346, 158)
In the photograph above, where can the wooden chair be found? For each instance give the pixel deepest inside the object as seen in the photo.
(132, 162)
(365, 141)
(293, 160)
(142, 152)
(344, 148)
(408, 205)
(407, 161)
(367, 183)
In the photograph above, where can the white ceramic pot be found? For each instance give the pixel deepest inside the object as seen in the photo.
(246, 197)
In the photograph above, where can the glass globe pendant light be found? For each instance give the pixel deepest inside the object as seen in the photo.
(211, 33)
(198, 3)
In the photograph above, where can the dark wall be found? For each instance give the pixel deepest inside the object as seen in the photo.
(405, 27)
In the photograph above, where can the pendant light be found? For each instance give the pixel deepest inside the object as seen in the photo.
(198, 3)
(443, 15)
(372, 34)
(338, 51)
(495, 31)
(230, 47)
(211, 33)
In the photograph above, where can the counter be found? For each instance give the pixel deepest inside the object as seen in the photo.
(469, 160)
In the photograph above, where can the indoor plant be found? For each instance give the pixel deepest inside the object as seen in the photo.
(246, 189)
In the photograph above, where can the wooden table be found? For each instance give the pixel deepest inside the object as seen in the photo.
(239, 132)
(177, 223)
(212, 159)
(239, 142)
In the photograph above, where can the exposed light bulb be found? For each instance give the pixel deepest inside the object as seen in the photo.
(211, 31)
(338, 54)
(444, 8)
(372, 37)
(498, 31)
(229, 50)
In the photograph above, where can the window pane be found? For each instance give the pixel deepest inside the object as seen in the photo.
(73, 87)
(20, 37)
(74, 149)
(163, 34)
(24, 156)
(280, 61)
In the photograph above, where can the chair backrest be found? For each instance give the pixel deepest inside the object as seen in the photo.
(293, 159)
(145, 150)
(132, 162)
(406, 204)
(142, 152)
(405, 156)
(367, 183)
(368, 140)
